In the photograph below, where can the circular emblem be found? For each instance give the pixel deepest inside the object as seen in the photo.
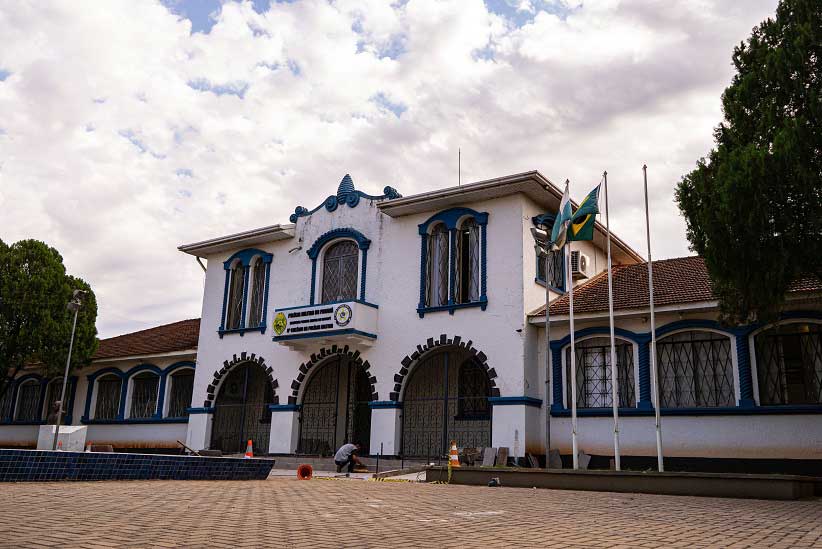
(280, 323)
(342, 315)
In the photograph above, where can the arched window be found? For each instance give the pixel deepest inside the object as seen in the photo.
(144, 388)
(556, 271)
(467, 277)
(179, 395)
(108, 397)
(437, 268)
(340, 268)
(593, 358)
(452, 261)
(695, 370)
(234, 313)
(28, 400)
(255, 313)
(53, 392)
(789, 364)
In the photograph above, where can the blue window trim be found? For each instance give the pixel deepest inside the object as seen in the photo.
(450, 218)
(346, 331)
(344, 233)
(245, 257)
(381, 404)
(741, 338)
(367, 304)
(125, 376)
(283, 407)
(71, 391)
(200, 410)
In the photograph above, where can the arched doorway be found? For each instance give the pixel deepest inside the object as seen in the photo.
(241, 410)
(446, 398)
(335, 408)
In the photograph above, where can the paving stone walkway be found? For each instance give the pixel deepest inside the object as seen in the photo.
(283, 512)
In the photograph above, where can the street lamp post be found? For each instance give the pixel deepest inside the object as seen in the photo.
(73, 305)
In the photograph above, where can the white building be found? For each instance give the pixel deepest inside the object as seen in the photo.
(407, 322)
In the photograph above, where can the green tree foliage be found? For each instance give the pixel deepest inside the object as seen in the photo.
(754, 207)
(35, 324)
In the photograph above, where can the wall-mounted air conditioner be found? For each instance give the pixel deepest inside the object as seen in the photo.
(580, 265)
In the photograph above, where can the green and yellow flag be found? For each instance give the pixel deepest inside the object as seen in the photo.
(582, 222)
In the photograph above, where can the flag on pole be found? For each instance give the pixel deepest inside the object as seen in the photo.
(560, 230)
(582, 222)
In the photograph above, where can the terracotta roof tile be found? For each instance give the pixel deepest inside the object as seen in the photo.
(178, 336)
(679, 280)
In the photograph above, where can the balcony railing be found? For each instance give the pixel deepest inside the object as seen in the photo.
(354, 321)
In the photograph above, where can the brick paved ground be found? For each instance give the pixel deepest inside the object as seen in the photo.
(326, 513)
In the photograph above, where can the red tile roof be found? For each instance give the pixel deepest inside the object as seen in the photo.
(676, 281)
(178, 336)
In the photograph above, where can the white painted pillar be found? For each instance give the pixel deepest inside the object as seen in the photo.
(515, 425)
(198, 435)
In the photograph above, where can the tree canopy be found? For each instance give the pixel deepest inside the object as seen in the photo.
(754, 207)
(35, 324)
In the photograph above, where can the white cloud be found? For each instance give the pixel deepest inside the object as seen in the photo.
(122, 134)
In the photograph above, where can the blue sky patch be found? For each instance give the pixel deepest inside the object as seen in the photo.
(294, 67)
(237, 88)
(4, 74)
(508, 9)
(184, 172)
(383, 102)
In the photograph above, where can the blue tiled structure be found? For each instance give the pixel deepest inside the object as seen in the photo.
(38, 466)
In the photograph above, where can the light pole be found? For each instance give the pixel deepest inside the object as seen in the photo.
(542, 245)
(73, 305)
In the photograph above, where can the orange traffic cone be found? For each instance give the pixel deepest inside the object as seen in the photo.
(453, 455)
(88, 447)
(59, 445)
(249, 453)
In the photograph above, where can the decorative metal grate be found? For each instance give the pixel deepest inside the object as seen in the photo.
(144, 395)
(593, 358)
(28, 397)
(437, 268)
(339, 386)
(5, 402)
(53, 392)
(446, 398)
(235, 298)
(555, 272)
(695, 370)
(789, 364)
(255, 313)
(241, 411)
(467, 262)
(340, 272)
(108, 398)
(182, 387)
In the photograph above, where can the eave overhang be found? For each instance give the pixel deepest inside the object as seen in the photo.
(253, 237)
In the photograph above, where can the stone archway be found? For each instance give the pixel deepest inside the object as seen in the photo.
(444, 387)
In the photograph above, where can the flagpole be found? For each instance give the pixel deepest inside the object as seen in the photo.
(654, 378)
(614, 372)
(570, 282)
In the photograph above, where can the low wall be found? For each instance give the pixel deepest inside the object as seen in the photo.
(683, 484)
(42, 465)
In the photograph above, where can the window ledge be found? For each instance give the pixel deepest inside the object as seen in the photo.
(241, 331)
(482, 303)
(719, 411)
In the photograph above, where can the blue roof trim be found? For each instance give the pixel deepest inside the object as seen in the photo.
(346, 194)
(544, 220)
(452, 216)
(346, 331)
(361, 302)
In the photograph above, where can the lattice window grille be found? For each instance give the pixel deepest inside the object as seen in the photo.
(340, 270)
(789, 364)
(255, 314)
(593, 358)
(437, 267)
(144, 388)
(695, 370)
(28, 397)
(182, 387)
(108, 398)
(234, 312)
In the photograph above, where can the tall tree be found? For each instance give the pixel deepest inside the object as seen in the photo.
(754, 207)
(35, 324)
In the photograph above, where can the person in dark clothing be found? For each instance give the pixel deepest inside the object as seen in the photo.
(347, 455)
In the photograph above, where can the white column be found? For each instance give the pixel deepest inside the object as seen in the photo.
(198, 435)
(508, 428)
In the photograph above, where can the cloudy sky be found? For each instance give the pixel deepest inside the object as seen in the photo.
(130, 127)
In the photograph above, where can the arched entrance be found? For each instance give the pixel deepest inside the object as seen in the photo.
(446, 398)
(241, 410)
(335, 408)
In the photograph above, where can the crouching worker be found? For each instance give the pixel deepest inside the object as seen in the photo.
(347, 455)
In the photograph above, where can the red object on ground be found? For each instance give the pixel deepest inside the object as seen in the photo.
(305, 472)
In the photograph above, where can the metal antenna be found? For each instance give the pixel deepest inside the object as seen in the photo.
(459, 167)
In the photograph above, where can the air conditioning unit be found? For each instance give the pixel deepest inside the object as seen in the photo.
(580, 265)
